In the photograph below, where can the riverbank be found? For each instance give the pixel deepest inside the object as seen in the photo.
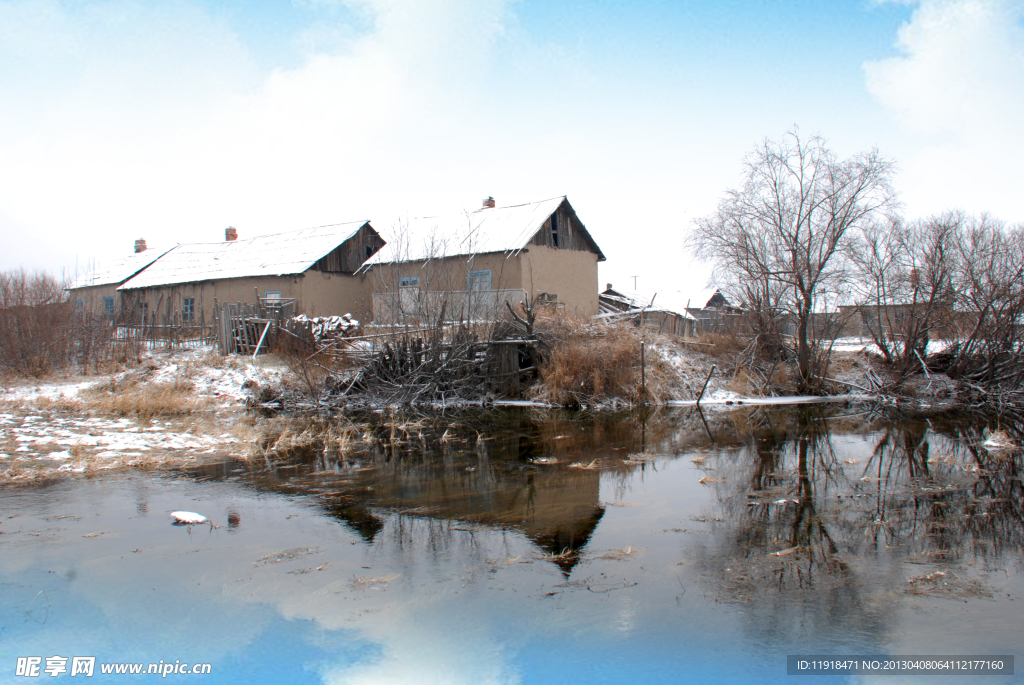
(185, 407)
(174, 409)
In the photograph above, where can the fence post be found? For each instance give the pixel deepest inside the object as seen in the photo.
(643, 373)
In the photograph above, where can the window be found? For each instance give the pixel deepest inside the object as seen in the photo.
(108, 307)
(479, 280)
(369, 251)
(409, 282)
(79, 305)
(143, 311)
(554, 229)
(270, 295)
(188, 309)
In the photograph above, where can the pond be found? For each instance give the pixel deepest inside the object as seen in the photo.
(517, 546)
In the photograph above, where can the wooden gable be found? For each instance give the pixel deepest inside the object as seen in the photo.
(564, 231)
(350, 255)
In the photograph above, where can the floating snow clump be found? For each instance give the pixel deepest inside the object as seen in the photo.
(188, 517)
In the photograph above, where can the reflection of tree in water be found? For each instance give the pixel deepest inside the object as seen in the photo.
(818, 526)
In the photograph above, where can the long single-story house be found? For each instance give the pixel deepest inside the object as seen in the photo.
(468, 266)
(96, 290)
(314, 267)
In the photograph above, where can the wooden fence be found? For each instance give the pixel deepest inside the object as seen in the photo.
(250, 328)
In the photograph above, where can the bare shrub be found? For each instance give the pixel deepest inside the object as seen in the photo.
(989, 286)
(951, 277)
(35, 318)
(308, 361)
(904, 279)
(42, 331)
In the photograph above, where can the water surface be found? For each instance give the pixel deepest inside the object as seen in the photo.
(476, 548)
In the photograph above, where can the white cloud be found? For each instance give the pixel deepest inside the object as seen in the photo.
(958, 88)
(163, 129)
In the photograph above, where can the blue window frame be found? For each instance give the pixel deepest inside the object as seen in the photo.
(479, 280)
(188, 309)
(409, 282)
(108, 307)
(272, 295)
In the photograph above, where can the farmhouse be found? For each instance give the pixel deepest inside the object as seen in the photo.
(468, 266)
(313, 269)
(96, 290)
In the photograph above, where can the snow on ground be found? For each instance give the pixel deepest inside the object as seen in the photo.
(868, 345)
(34, 446)
(39, 439)
(214, 377)
(51, 390)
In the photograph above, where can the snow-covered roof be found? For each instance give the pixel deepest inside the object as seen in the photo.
(267, 255)
(700, 298)
(694, 299)
(119, 269)
(635, 301)
(495, 229)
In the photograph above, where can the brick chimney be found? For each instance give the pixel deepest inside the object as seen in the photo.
(230, 233)
(140, 245)
(488, 203)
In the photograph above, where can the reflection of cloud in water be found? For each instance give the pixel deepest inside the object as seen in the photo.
(425, 645)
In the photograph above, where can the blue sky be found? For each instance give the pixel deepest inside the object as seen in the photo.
(124, 119)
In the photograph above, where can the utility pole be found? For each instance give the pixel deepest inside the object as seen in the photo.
(634, 281)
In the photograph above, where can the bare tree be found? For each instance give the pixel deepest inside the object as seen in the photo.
(987, 345)
(903, 280)
(783, 232)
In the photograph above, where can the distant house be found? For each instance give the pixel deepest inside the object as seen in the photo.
(96, 290)
(313, 268)
(894, 320)
(708, 303)
(468, 266)
(650, 313)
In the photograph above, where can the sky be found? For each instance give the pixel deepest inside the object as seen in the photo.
(171, 120)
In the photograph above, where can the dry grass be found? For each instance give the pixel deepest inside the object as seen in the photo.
(145, 400)
(565, 554)
(592, 466)
(619, 554)
(365, 582)
(641, 458)
(723, 345)
(59, 404)
(947, 585)
(586, 362)
(284, 438)
(741, 383)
